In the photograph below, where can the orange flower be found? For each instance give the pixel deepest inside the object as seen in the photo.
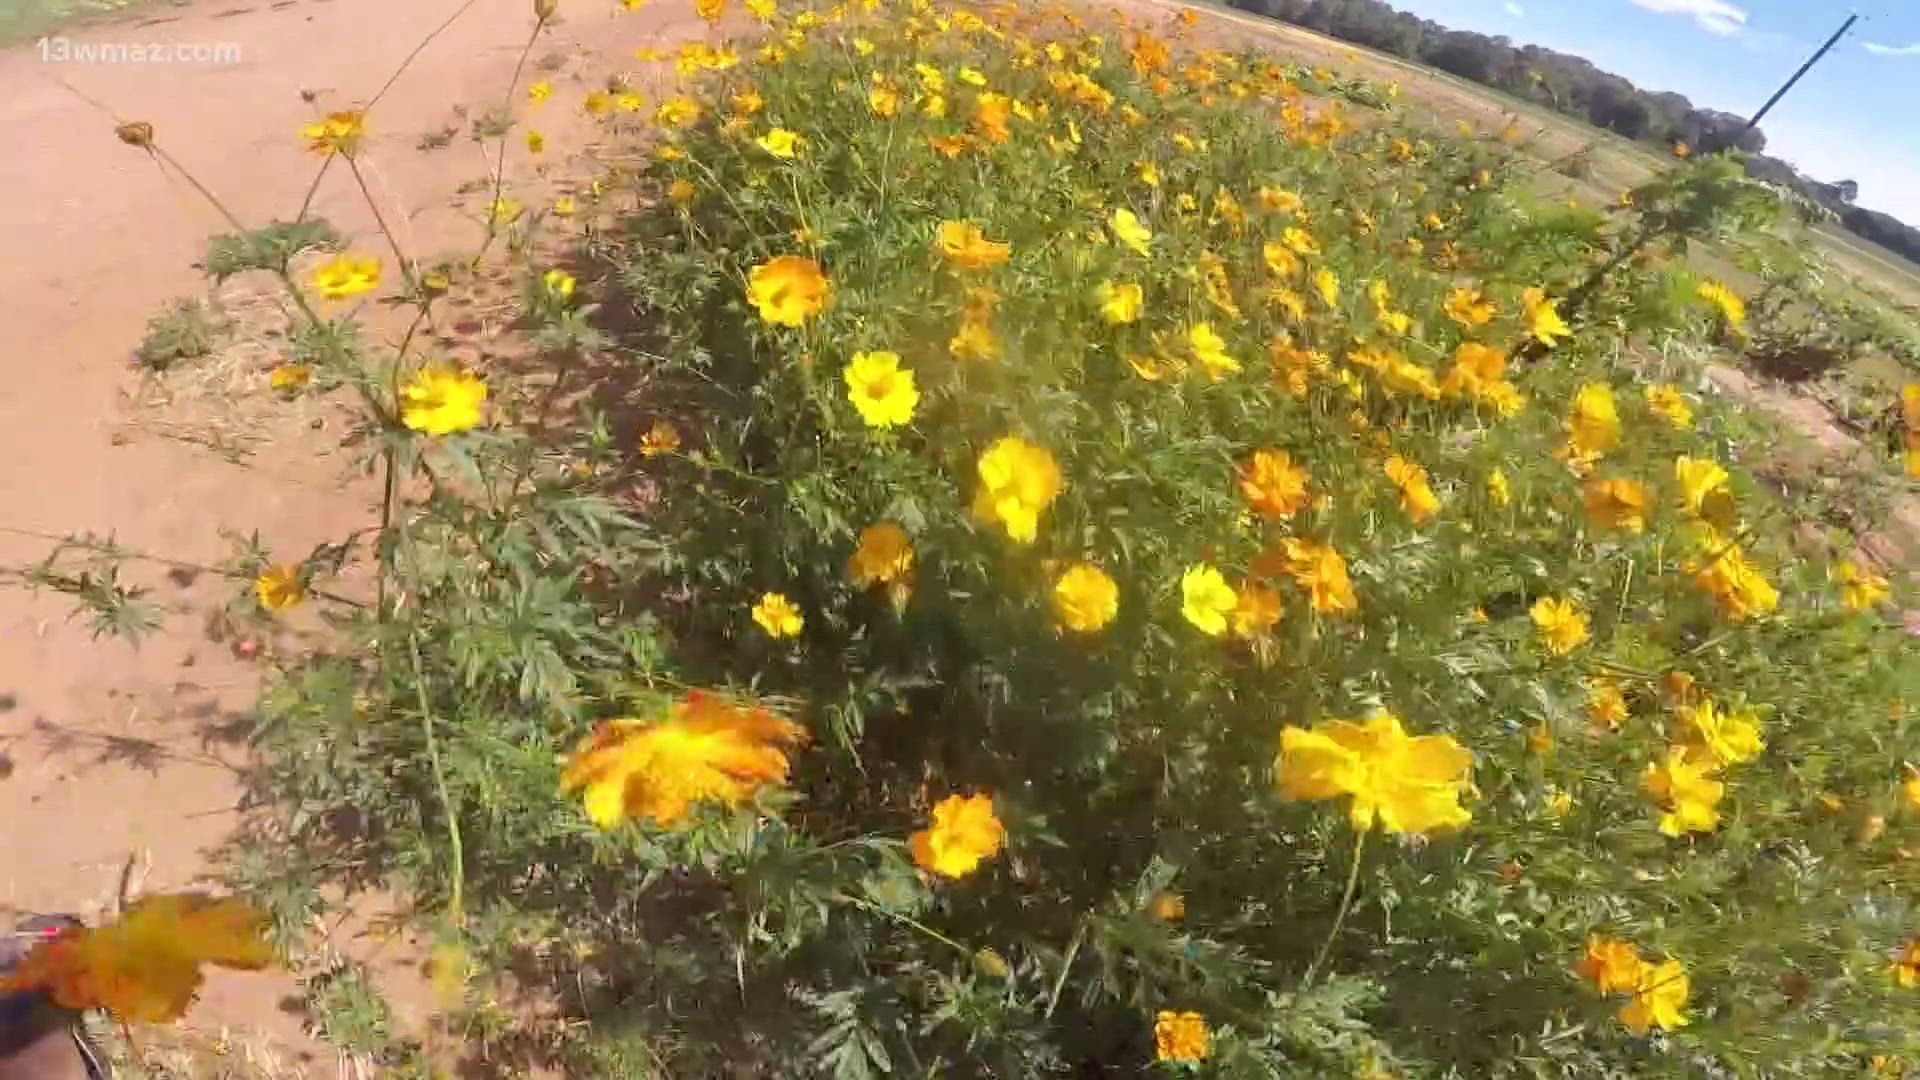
(1274, 486)
(705, 750)
(967, 247)
(145, 966)
(963, 834)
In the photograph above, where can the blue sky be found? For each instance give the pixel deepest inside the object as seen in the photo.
(1855, 116)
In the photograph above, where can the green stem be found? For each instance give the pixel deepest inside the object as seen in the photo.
(457, 887)
(500, 160)
(1340, 917)
(904, 920)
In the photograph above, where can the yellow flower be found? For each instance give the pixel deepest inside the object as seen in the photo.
(1612, 966)
(1211, 350)
(1280, 261)
(1905, 968)
(289, 376)
(1562, 625)
(1737, 587)
(1860, 587)
(1606, 706)
(1698, 478)
(1416, 497)
(1667, 402)
(1120, 302)
(1727, 739)
(1616, 504)
(780, 142)
(747, 102)
(1128, 230)
(1543, 318)
(1167, 906)
(1658, 1000)
(1593, 425)
(974, 341)
(1085, 598)
(1322, 572)
(710, 10)
(971, 77)
(1017, 482)
(777, 615)
(964, 832)
(144, 967)
(1299, 241)
(557, 283)
(1273, 485)
(788, 290)
(704, 750)
(677, 111)
(597, 103)
(763, 10)
(1499, 493)
(1327, 285)
(1468, 308)
(1179, 1036)
(1206, 599)
(1276, 201)
(346, 275)
(539, 91)
(884, 102)
(536, 142)
(661, 438)
(881, 389)
(681, 190)
(441, 399)
(1723, 300)
(884, 555)
(336, 133)
(1684, 787)
(279, 587)
(1149, 174)
(503, 211)
(1402, 783)
(628, 101)
(565, 206)
(1256, 610)
(965, 246)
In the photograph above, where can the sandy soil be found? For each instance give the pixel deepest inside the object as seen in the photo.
(110, 756)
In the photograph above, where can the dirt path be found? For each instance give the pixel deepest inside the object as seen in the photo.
(107, 754)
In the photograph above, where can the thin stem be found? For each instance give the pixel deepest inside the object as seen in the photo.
(161, 154)
(179, 564)
(1346, 905)
(922, 927)
(306, 203)
(133, 1046)
(457, 886)
(406, 265)
(500, 160)
(417, 50)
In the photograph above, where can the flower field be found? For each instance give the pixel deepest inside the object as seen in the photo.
(1129, 558)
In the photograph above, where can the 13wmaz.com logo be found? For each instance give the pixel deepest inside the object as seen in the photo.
(60, 50)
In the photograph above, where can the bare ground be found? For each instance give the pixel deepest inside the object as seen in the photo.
(119, 768)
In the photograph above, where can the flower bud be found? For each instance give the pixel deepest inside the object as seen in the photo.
(135, 133)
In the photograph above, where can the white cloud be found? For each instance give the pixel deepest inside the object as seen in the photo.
(1514, 9)
(1878, 49)
(1713, 16)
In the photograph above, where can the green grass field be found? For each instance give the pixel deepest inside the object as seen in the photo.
(24, 20)
(1616, 163)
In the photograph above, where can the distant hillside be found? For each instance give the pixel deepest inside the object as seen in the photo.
(1573, 86)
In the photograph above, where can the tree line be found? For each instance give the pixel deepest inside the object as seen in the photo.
(1573, 86)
